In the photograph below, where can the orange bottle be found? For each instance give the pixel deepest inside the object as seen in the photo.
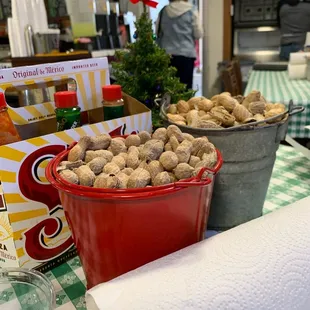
(8, 132)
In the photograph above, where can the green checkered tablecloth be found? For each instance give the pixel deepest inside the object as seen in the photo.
(290, 182)
(277, 87)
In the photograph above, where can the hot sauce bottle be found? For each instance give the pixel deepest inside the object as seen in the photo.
(8, 132)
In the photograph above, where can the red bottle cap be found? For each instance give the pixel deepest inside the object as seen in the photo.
(66, 99)
(2, 101)
(112, 92)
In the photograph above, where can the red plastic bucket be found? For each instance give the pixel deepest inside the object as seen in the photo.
(117, 231)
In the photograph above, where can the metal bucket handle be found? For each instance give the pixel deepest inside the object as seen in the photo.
(292, 110)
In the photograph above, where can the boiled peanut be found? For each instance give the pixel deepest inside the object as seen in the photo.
(69, 176)
(86, 176)
(111, 168)
(163, 178)
(97, 164)
(169, 160)
(101, 142)
(79, 150)
(139, 178)
(132, 140)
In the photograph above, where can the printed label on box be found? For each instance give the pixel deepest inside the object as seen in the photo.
(33, 227)
(89, 75)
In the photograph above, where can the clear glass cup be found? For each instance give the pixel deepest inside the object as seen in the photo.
(22, 289)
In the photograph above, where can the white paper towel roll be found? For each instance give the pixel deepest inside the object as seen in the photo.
(261, 265)
(297, 72)
(298, 58)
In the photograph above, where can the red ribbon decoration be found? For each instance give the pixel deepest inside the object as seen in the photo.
(150, 3)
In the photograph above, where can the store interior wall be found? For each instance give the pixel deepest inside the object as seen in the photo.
(213, 11)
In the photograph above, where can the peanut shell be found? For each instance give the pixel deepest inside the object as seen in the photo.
(168, 147)
(173, 130)
(97, 164)
(180, 123)
(206, 117)
(163, 178)
(69, 176)
(208, 124)
(207, 148)
(241, 113)
(133, 161)
(239, 98)
(118, 146)
(224, 117)
(174, 143)
(111, 168)
(160, 134)
(175, 118)
(188, 137)
(132, 140)
(259, 117)
(110, 181)
(253, 96)
(134, 150)
(183, 153)
(100, 181)
(193, 161)
(173, 179)
(279, 106)
(154, 168)
(208, 161)
(101, 142)
(183, 171)
(227, 102)
(119, 161)
(269, 106)
(140, 178)
(124, 155)
(86, 176)
(152, 150)
(201, 113)
(183, 106)
(205, 104)
(192, 118)
(123, 180)
(127, 171)
(169, 160)
(79, 150)
(172, 109)
(144, 136)
(257, 107)
(272, 113)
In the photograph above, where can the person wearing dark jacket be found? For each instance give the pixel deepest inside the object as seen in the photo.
(177, 28)
(294, 22)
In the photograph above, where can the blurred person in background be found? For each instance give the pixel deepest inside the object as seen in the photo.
(294, 22)
(177, 28)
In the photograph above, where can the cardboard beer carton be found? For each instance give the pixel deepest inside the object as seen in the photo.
(34, 232)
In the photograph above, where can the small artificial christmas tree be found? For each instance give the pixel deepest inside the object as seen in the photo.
(144, 70)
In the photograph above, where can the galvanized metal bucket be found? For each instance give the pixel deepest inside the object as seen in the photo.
(249, 153)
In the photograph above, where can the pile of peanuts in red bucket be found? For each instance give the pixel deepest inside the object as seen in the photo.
(137, 161)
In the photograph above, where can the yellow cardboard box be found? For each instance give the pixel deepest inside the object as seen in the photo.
(33, 229)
